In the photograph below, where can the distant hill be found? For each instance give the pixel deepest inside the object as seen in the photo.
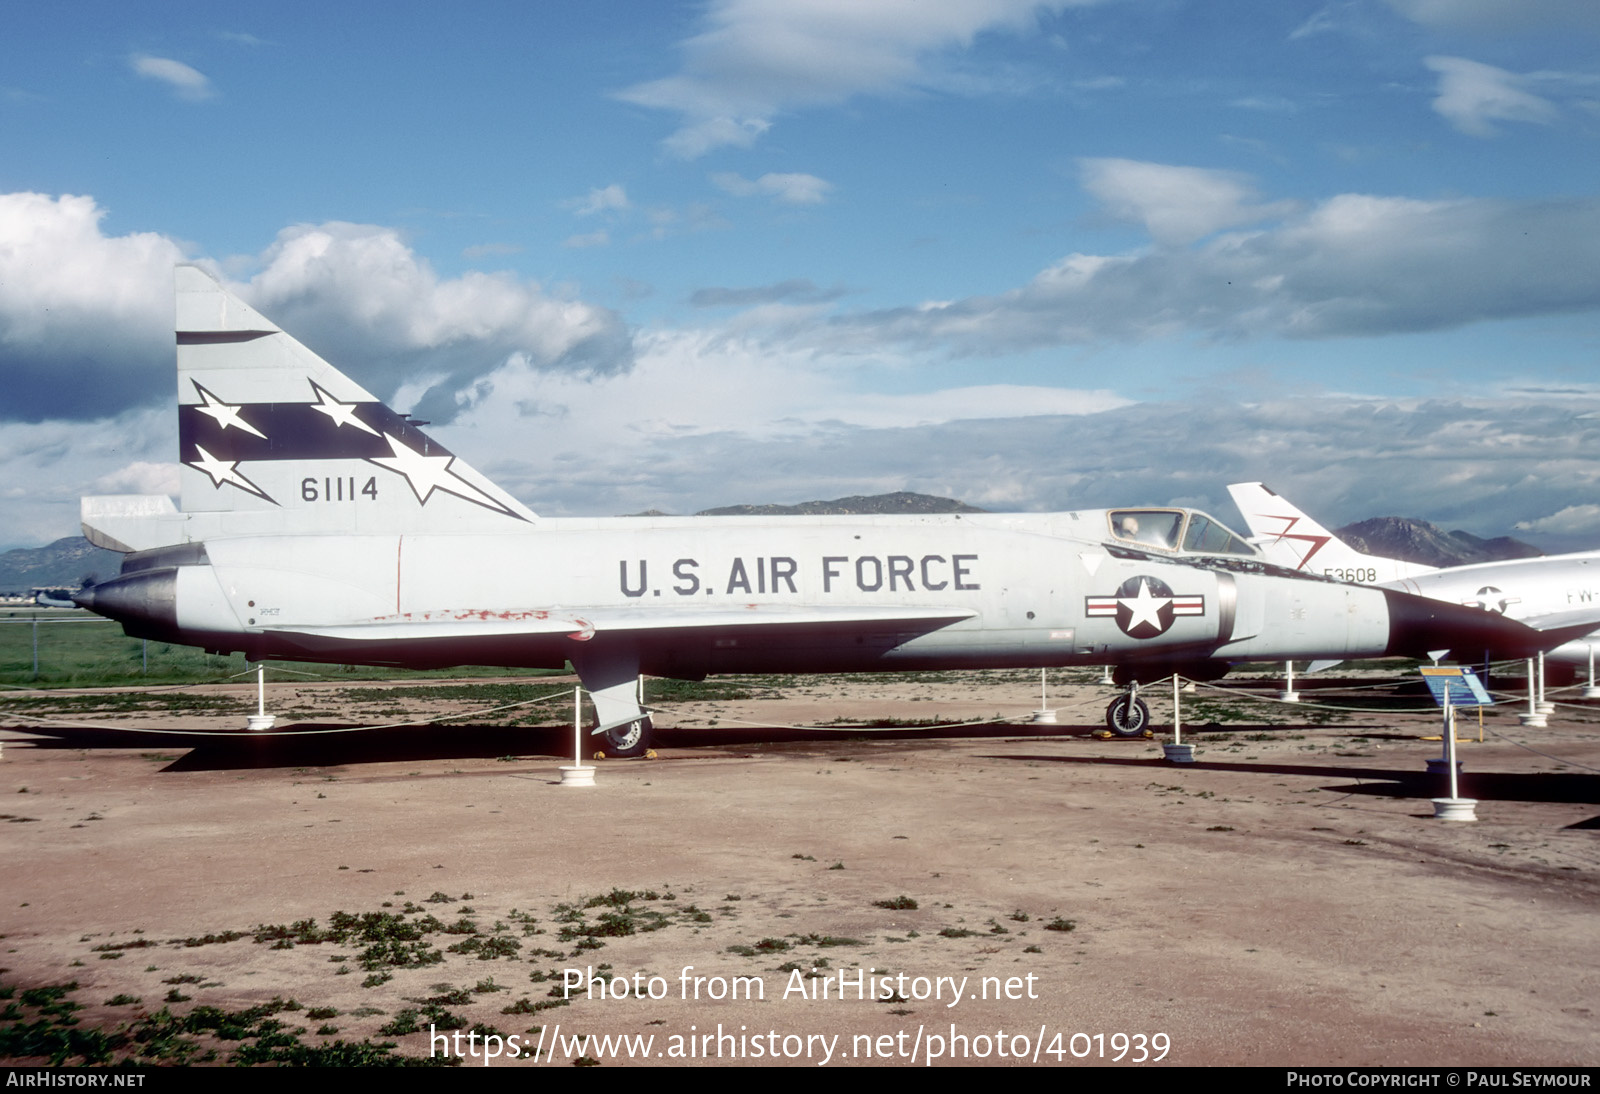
(61, 564)
(900, 502)
(1421, 542)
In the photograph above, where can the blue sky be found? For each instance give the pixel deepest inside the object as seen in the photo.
(676, 255)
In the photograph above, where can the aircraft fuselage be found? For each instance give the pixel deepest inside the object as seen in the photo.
(755, 594)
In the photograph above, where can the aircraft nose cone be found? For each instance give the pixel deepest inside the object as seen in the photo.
(84, 598)
(1419, 627)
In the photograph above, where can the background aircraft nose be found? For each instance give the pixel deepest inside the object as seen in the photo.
(1419, 626)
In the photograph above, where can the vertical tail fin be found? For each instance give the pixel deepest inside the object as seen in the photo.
(1291, 539)
(268, 428)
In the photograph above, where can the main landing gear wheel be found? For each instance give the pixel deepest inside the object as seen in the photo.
(1127, 716)
(626, 741)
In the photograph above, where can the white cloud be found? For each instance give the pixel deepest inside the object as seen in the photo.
(791, 189)
(712, 419)
(186, 82)
(1572, 519)
(76, 302)
(139, 477)
(758, 58)
(1502, 16)
(981, 401)
(1321, 21)
(98, 309)
(696, 139)
(51, 464)
(1352, 265)
(712, 380)
(600, 238)
(1472, 95)
(359, 290)
(599, 200)
(1177, 205)
(627, 442)
(707, 419)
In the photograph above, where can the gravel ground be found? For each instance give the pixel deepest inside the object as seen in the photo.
(1287, 900)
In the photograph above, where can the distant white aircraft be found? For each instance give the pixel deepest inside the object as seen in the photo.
(318, 524)
(1550, 593)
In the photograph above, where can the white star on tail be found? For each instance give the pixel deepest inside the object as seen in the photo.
(340, 413)
(225, 471)
(1144, 607)
(429, 473)
(226, 416)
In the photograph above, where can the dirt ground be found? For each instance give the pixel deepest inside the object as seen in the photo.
(1013, 891)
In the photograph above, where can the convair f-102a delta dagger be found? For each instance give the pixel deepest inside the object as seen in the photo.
(317, 524)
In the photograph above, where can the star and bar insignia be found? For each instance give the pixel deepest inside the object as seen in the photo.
(1143, 606)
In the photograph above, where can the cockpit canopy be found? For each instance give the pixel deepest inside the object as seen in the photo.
(1187, 530)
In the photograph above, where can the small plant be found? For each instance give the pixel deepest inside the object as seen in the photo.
(897, 904)
(530, 1006)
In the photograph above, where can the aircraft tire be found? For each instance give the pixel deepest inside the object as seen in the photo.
(625, 741)
(1127, 717)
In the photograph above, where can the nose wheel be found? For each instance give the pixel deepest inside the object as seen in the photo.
(1128, 716)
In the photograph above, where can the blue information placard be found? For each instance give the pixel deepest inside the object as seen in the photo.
(1461, 684)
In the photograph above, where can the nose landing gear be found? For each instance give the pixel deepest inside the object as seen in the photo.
(1128, 716)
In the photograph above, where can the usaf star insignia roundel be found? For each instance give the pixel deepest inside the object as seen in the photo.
(1143, 606)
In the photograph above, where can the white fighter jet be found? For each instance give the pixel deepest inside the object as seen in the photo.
(317, 524)
(1550, 593)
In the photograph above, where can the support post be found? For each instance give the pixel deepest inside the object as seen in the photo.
(260, 719)
(1289, 695)
(1455, 807)
(577, 773)
(1546, 707)
(1044, 716)
(1177, 752)
(1533, 717)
